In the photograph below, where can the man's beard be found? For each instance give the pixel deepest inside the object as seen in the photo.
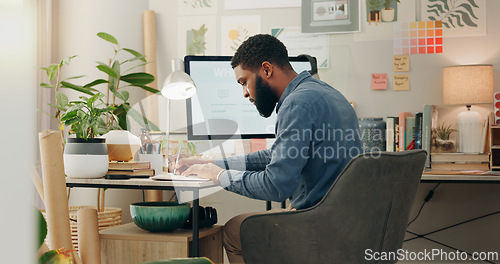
(265, 98)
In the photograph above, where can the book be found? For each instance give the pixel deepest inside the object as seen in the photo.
(402, 130)
(129, 165)
(396, 134)
(427, 131)
(418, 130)
(143, 173)
(459, 166)
(390, 126)
(410, 132)
(460, 157)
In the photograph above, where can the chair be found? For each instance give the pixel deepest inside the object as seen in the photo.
(365, 211)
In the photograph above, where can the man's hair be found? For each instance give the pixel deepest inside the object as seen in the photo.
(259, 48)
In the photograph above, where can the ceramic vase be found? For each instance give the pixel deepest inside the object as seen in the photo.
(122, 145)
(85, 158)
(388, 15)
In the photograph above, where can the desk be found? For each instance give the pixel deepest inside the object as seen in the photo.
(148, 184)
(455, 178)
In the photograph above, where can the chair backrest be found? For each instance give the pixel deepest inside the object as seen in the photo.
(365, 211)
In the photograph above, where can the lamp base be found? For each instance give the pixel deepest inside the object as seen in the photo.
(469, 126)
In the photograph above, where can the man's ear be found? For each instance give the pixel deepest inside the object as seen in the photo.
(267, 68)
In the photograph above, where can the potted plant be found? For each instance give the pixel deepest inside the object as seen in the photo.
(388, 11)
(443, 141)
(374, 10)
(86, 156)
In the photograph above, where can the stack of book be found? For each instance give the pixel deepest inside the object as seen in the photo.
(130, 169)
(460, 161)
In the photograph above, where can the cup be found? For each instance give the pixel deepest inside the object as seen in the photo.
(156, 161)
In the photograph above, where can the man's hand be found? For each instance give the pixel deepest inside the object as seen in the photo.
(185, 163)
(207, 171)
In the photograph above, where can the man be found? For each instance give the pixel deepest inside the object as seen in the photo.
(316, 135)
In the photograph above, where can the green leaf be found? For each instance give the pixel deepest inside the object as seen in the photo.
(147, 88)
(94, 83)
(69, 115)
(61, 99)
(47, 85)
(118, 94)
(125, 95)
(107, 37)
(143, 121)
(136, 54)
(75, 77)
(106, 69)
(58, 107)
(116, 67)
(52, 71)
(138, 78)
(76, 88)
(67, 60)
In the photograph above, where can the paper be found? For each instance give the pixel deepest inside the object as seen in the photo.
(316, 45)
(460, 19)
(197, 7)
(173, 177)
(239, 4)
(401, 63)
(235, 30)
(401, 82)
(379, 81)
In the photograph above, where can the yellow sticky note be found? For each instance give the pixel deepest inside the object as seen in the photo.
(401, 82)
(401, 63)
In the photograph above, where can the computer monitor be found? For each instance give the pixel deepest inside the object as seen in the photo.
(219, 110)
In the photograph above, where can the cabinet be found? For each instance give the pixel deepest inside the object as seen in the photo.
(128, 244)
(495, 148)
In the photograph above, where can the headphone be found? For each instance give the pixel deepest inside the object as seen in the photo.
(207, 217)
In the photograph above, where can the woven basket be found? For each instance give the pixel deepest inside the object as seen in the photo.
(110, 217)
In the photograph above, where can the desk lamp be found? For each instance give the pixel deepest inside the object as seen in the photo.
(468, 85)
(177, 86)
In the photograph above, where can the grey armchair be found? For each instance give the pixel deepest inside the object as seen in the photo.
(365, 211)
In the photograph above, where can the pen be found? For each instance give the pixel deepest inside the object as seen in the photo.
(178, 154)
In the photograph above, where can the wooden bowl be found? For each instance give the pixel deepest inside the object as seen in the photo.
(122, 145)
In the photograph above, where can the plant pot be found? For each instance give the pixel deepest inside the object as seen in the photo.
(445, 146)
(86, 158)
(388, 15)
(122, 145)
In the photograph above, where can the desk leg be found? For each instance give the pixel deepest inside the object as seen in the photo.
(196, 227)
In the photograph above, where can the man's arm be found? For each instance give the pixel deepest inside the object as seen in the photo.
(255, 161)
(289, 154)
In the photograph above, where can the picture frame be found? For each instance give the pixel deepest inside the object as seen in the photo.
(330, 16)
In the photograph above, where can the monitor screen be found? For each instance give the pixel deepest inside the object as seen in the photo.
(219, 110)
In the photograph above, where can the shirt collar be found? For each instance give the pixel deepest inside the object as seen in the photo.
(292, 86)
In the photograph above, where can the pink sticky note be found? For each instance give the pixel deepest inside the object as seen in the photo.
(379, 81)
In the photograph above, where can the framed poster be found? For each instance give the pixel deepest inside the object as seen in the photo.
(332, 16)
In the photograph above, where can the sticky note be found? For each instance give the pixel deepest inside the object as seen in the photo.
(401, 82)
(401, 63)
(258, 144)
(379, 81)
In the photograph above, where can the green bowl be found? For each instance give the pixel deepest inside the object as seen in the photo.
(159, 216)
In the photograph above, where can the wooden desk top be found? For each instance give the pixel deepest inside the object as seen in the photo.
(138, 184)
(459, 177)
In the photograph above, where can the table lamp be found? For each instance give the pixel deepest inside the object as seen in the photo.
(177, 86)
(468, 85)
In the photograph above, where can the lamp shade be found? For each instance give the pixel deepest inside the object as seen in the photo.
(468, 84)
(178, 85)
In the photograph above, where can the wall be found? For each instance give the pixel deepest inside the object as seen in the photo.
(352, 64)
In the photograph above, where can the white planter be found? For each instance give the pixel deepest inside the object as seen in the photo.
(388, 15)
(85, 159)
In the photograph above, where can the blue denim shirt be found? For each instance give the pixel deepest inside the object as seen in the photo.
(317, 133)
